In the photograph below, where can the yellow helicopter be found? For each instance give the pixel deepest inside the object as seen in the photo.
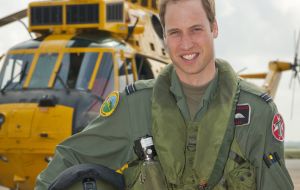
(53, 85)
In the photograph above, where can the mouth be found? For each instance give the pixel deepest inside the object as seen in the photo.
(190, 57)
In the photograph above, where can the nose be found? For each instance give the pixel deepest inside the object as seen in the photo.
(186, 42)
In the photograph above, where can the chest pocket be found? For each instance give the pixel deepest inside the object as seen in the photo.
(146, 175)
(241, 178)
(239, 174)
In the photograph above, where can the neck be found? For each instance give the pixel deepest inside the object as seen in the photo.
(201, 78)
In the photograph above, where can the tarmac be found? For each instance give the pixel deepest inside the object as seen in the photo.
(294, 169)
(292, 165)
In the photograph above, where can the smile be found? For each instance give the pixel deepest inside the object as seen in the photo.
(190, 57)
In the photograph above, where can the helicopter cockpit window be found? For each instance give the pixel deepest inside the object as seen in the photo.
(43, 70)
(104, 82)
(123, 81)
(76, 70)
(86, 70)
(14, 71)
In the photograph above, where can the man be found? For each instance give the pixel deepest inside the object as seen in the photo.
(210, 129)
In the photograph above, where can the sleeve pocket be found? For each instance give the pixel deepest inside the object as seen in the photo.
(278, 178)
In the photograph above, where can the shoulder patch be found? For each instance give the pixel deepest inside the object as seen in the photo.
(278, 127)
(110, 104)
(242, 115)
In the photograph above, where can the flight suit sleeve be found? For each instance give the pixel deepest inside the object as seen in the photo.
(105, 141)
(266, 150)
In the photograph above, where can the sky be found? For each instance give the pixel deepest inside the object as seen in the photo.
(251, 33)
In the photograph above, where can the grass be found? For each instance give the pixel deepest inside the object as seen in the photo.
(292, 153)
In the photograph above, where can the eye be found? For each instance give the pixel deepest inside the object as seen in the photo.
(173, 33)
(197, 29)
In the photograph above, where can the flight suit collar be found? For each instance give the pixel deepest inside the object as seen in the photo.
(177, 91)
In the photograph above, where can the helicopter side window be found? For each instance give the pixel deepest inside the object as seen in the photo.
(76, 70)
(143, 68)
(125, 73)
(129, 71)
(123, 80)
(43, 70)
(104, 82)
(14, 71)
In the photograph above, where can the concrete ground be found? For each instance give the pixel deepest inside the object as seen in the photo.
(294, 168)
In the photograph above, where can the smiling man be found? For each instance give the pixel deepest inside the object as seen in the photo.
(210, 129)
(189, 38)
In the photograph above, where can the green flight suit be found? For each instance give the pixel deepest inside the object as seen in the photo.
(109, 140)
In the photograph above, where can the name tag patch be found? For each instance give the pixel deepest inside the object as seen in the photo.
(242, 115)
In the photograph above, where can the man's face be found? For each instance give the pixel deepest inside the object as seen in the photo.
(189, 38)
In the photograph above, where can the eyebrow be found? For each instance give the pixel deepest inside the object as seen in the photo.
(196, 25)
(176, 29)
(172, 30)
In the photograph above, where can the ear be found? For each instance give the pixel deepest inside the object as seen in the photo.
(215, 29)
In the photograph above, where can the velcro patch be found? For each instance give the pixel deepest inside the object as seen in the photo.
(242, 115)
(110, 104)
(266, 97)
(278, 127)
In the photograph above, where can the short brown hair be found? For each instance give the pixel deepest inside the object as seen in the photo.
(209, 8)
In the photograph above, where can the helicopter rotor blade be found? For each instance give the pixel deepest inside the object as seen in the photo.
(13, 17)
(241, 70)
(297, 43)
(298, 77)
(291, 81)
(293, 98)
